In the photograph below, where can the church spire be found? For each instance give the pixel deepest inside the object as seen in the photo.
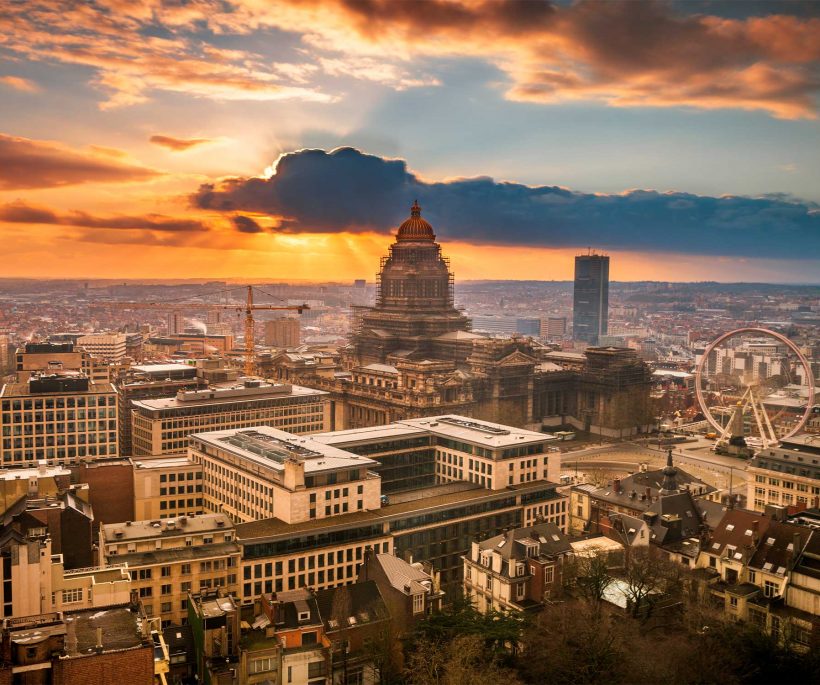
(670, 482)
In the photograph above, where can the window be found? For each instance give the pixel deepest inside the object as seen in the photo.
(520, 590)
(309, 638)
(263, 665)
(166, 590)
(418, 603)
(769, 588)
(185, 569)
(733, 601)
(73, 595)
(489, 582)
(549, 574)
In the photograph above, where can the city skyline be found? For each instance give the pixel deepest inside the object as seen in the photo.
(286, 141)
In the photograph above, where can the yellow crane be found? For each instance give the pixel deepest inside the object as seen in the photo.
(249, 308)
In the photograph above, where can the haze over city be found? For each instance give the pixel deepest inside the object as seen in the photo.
(287, 140)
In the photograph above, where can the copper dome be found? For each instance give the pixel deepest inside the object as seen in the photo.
(415, 228)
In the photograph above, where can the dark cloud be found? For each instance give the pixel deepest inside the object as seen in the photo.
(346, 190)
(26, 163)
(22, 213)
(178, 144)
(244, 224)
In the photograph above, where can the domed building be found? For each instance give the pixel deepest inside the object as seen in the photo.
(414, 300)
(413, 354)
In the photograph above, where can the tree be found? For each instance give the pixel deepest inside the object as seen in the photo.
(462, 661)
(649, 579)
(587, 577)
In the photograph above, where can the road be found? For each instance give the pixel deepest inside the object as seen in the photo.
(723, 472)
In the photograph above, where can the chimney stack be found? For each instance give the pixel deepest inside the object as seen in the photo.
(617, 485)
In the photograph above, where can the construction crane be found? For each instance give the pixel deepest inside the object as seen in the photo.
(249, 308)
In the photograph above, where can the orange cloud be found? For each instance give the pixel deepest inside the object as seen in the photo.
(18, 83)
(178, 144)
(26, 163)
(619, 52)
(21, 213)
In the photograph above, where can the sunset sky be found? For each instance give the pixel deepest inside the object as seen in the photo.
(271, 140)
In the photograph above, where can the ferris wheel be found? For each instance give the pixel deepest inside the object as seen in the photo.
(756, 384)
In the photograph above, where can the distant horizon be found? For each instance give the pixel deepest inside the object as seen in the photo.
(203, 280)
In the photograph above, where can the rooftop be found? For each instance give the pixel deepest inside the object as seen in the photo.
(482, 433)
(169, 462)
(121, 629)
(24, 389)
(271, 448)
(226, 395)
(184, 525)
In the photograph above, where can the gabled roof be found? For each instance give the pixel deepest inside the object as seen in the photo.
(736, 531)
(779, 547)
(514, 544)
(402, 575)
(361, 603)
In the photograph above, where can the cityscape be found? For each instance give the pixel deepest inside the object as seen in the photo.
(293, 392)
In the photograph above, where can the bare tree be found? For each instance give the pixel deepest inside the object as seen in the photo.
(649, 579)
(587, 577)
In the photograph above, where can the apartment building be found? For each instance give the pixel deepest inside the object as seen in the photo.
(35, 581)
(262, 472)
(169, 558)
(764, 570)
(517, 570)
(108, 346)
(167, 487)
(162, 425)
(61, 417)
(787, 475)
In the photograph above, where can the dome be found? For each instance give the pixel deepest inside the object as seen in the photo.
(415, 228)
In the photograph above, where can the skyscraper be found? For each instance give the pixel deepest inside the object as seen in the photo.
(590, 306)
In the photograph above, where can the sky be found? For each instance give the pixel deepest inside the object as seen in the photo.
(286, 140)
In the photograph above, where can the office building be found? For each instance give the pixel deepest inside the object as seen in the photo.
(108, 346)
(61, 417)
(150, 381)
(35, 358)
(282, 332)
(554, 327)
(5, 354)
(168, 559)
(419, 453)
(258, 473)
(787, 475)
(162, 425)
(166, 487)
(590, 303)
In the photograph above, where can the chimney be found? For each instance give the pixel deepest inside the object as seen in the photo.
(796, 547)
(99, 646)
(617, 486)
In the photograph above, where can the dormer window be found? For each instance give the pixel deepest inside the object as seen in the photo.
(304, 616)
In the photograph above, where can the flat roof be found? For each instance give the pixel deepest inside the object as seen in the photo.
(164, 462)
(182, 525)
(484, 433)
(270, 447)
(120, 629)
(275, 527)
(22, 390)
(233, 393)
(162, 368)
(33, 472)
(475, 431)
